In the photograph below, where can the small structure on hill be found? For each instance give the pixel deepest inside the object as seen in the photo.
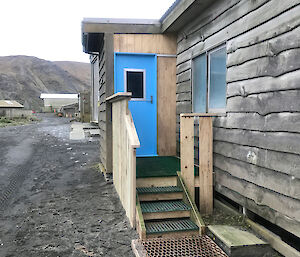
(53, 102)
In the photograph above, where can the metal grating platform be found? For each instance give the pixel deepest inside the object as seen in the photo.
(158, 190)
(167, 226)
(196, 246)
(164, 206)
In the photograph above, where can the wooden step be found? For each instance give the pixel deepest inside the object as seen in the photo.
(165, 210)
(237, 242)
(171, 228)
(160, 193)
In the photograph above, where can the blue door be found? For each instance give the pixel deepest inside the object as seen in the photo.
(136, 73)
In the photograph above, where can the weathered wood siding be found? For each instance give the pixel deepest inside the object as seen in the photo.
(257, 144)
(102, 108)
(106, 89)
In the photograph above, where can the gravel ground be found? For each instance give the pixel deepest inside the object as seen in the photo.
(53, 201)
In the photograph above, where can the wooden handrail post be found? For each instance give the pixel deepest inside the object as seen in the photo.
(125, 142)
(187, 153)
(206, 165)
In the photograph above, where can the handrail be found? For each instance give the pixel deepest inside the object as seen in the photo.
(195, 215)
(125, 141)
(118, 96)
(134, 139)
(205, 157)
(140, 227)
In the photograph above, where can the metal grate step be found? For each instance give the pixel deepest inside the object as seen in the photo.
(164, 206)
(200, 246)
(158, 190)
(167, 226)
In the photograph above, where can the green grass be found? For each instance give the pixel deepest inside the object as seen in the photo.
(4, 121)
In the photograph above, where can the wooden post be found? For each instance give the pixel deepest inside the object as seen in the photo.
(206, 165)
(187, 153)
(125, 141)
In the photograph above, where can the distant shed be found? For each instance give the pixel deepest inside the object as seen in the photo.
(53, 102)
(12, 109)
(4, 104)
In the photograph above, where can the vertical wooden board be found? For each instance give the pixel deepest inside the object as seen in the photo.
(187, 153)
(115, 122)
(108, 79)
(123, 156)
(133, 185)
(166, 106)
(205, 165)
(145, 43)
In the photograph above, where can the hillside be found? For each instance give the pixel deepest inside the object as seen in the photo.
(24, 78)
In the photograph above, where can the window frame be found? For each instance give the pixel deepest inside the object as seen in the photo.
(144, 83)
(207, 53)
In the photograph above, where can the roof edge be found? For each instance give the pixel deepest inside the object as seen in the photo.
(174, 12)
(122, 21)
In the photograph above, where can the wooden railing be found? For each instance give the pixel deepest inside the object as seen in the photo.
(187, 143)
(124, 141)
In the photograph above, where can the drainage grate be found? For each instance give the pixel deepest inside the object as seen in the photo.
(170, 226)
(164, 206)
(196, 246)
(158, 190)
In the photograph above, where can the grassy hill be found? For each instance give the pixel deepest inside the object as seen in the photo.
(24, 78)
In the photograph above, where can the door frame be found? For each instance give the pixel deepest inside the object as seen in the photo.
(145, 87)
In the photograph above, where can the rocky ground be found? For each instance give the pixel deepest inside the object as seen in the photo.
(53, 201)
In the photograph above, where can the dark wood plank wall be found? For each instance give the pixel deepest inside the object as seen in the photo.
(102, 108)
(257, 144)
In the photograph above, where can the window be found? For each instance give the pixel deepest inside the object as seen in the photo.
(209, 81)
(135, 83)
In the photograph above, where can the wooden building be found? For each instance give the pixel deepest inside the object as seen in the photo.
(153, 62)
(13, 109)
(238, 59)
(53, 102)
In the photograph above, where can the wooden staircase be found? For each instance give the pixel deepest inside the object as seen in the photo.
(167, 212)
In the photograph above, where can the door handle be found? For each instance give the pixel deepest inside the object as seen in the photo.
(151, 100)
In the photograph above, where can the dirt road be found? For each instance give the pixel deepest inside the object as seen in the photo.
(53, 202)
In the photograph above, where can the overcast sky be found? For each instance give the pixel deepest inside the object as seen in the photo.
(51, 29)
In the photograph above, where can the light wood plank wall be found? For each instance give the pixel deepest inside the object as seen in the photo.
(145, 43)
(256, 146)
(166, 106)
(166, 81)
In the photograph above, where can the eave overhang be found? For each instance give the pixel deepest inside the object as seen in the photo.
(181, 13)
(178, 15)
(93, 30)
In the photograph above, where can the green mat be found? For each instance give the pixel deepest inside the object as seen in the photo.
(158, 166)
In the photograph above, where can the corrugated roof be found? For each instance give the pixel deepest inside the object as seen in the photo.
(61, 96)
(10, 104)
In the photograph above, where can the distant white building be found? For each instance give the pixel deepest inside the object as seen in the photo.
(53, 102)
